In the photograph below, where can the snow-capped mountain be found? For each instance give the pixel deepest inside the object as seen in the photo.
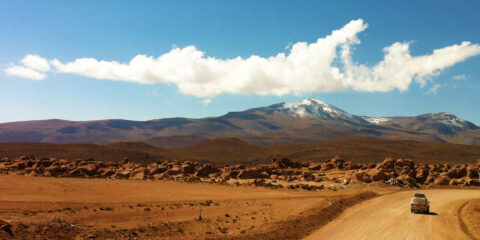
(309, 120)
(314, 108)
(445, 123)
(451, 120)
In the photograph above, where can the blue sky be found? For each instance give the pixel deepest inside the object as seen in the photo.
(118, 31)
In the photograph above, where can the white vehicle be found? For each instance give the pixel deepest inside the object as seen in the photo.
(419, 203)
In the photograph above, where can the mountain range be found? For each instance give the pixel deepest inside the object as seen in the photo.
(309, 120)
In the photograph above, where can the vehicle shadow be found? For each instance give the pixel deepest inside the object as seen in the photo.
(430, 213)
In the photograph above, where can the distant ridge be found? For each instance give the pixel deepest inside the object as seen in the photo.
(309, 120)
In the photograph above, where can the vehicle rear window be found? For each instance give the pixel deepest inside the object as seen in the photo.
(421, 195)
(419, 200)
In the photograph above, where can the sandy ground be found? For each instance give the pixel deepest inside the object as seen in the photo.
(470, 216)
(389, 217)
(77, 208)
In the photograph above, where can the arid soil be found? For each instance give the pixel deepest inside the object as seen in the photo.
(389, 217)
(47, 198)
(470, 217)
(77, 208)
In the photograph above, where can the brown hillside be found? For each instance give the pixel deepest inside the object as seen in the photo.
(138, 152)
(227, 151)
(233, 151)
(368, 149)
(169, 142)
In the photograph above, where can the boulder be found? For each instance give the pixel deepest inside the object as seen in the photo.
(422, 173)
(282, 162)
(18, 165)
(3, 168)
(387, 164)
(408, 180)
(430, 179)
(327, 166)
(78, 172)
(442, 180)
(361, 176)
(106, 172)
(457, 172)
(457, 181)
(237, 167)
(315, 166)
(370, 165)
(121, 174)
(472, 172)
(138, 174)
(161, 176)
(445, 167)
(206, 170)
(53, 171)
(307, 176)
(353, 166)
(174, 171)
(129, 165)
(472, 182)
(404, 163)
(90, 169)
(188, 168)
(229, 174)
(337, 162)
(157, 170)
(379, 175)
(251, 174)
(6, 227)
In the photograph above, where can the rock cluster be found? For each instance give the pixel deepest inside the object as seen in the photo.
(101, 169)
(392, 171)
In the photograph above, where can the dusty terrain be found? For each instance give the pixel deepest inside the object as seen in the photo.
(234, 151)
(76, 208)
(470, 217)
(389, 217)
(48, 198)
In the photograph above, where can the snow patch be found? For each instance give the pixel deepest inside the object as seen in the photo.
(313, 107)
(450, 120)
(376, 120)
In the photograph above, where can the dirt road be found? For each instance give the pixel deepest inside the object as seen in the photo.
(389, 217)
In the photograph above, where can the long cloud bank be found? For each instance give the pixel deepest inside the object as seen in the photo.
(323, 66)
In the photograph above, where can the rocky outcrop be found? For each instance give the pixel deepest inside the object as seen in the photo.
(282, 162)
(251, 174)
(6, 227)
(336, 170)
(361, 176)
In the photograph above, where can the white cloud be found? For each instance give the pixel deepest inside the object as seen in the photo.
(306, 67)
(206, 101)
(24, 72)
(460, 77)
(434, 89)
(36, 62)
(33, 68)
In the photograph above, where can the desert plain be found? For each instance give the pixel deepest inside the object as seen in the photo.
(51, 198)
